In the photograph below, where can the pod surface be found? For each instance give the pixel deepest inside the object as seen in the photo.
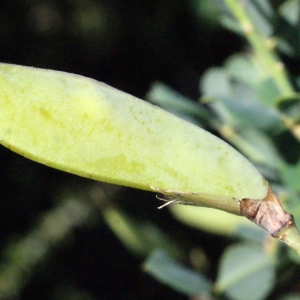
(88, 128)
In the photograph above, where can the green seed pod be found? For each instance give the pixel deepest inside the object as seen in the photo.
(88, 128)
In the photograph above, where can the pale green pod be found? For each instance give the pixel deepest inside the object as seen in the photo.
(88, 128)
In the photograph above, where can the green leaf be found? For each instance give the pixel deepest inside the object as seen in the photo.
(294, 257)
(288, 28)
(256, 145)
(268, 91)
(246, 272)
(290, 11)
(216, 83)
(88, 128)
(180, 278)
(290, 107)
(291, 175)
(170, 100)
(139, 237)
(251, 233)
(236, 102)
(261, 14)
(230, 23)
(240, 111)
(210, 220)
(208, 11)
(241, 68)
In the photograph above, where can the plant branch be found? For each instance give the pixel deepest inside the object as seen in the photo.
(271, 63)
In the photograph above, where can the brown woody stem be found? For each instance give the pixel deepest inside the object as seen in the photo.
(269, 214)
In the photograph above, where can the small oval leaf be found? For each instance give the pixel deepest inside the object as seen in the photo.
(246, 272)
(181, 278)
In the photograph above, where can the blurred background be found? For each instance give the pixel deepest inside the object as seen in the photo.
(65, 237)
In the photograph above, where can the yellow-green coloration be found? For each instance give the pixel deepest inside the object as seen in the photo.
(88, 128)
(210, 220)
